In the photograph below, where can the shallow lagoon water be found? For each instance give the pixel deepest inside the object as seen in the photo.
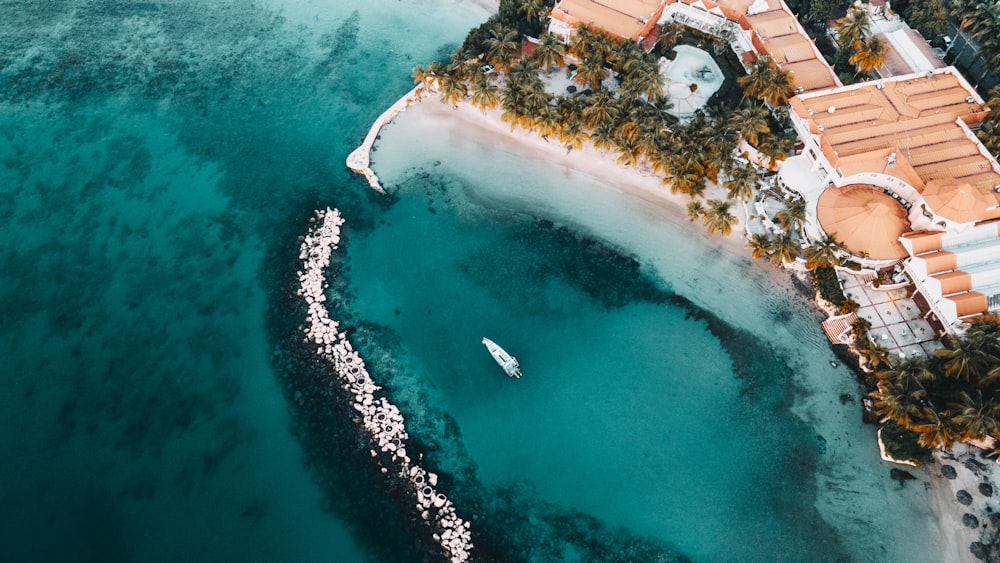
(157, 162)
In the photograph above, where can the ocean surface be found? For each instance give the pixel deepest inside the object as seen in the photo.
(158, 161)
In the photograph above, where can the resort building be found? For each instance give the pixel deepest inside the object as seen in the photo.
(629, 19)
(957, 272)
(908, 53)
(751, 27)
(759, 27)
(893, 168)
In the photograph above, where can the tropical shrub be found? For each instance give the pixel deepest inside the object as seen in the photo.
(828, 285)
(903, 444)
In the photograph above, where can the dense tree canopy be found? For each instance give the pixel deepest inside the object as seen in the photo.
(952, 396)
(929, 17)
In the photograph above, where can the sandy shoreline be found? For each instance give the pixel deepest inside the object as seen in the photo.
(487, 128)
(599, 165)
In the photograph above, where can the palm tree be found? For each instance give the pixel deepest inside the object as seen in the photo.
(965, 360)
(717, 217)
(989, 134)
(602, 109)
(502, 46)
(670, 33)
(452, 89)
(876, 354)
(793, 215)
(548, 121)
(935, 432)
(823, 253)
(629, 152)
(550, 51)
(740, 183)
(531, 9)
(975, 418)
(775, 147)
(604, 137)
(902, 405)
(592, 71)
(485, 94)
(759, 245)
(871, 54)
(524, 72)
(750, 121)
(853, 28)
(695, 209)
(536, 96)
(573, 135)
(649, 81)
(993, 101)
(909, 373)
(420, 75)
(778, 89)
(686, 179)
(772, 85)
(785, 248)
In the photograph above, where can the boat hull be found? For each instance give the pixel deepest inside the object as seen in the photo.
(505, 360)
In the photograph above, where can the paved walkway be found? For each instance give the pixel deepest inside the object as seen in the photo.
(895, 318)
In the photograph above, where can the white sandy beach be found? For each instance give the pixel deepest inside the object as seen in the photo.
(930, 498)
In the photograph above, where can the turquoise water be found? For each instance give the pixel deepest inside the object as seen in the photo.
(158, 161)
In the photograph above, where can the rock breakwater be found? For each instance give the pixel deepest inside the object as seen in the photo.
(382, 421)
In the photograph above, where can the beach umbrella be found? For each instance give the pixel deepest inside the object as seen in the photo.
(865, 220)
(962, 203)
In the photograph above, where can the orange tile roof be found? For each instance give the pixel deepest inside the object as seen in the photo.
(924, 241)
(624, 18)
(918, 118)
(864, 220)
(811, 75)
(954, 282)
(970, 303)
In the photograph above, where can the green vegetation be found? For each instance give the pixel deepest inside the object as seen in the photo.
(855, 48)
(903, 444)
(953, 396)
(980, 21)
(619, 106)
(929, 17)
(823, 10)
(828, 285)
(767, 83)
(823, 253)
(989, 131)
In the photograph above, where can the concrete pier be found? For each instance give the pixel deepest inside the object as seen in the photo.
(360, 158)
(381, 420)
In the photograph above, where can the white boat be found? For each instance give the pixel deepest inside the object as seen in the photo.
(506, 361)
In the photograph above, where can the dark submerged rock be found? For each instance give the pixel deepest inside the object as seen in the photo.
(970, 520)
(986, 489)
(979, 550)
(963, 497)
(995, 519)
(900, 475)
(948, 472)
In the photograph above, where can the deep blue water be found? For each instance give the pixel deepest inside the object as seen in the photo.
(158, 161)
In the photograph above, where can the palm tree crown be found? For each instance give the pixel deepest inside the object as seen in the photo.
(717, 217)
(853, 28)
(870, 55)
